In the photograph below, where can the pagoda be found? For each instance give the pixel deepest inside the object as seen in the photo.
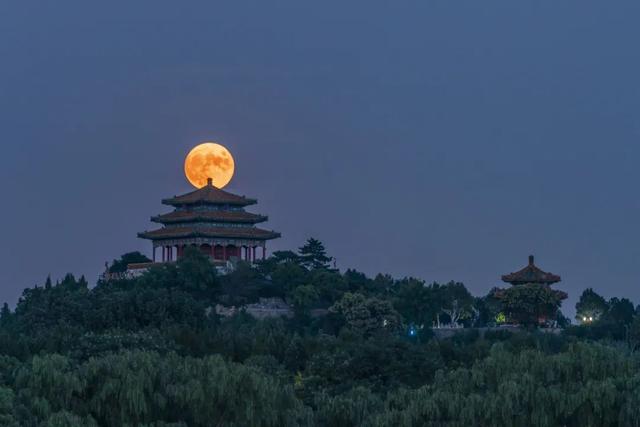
(530, 274)
(213, 220)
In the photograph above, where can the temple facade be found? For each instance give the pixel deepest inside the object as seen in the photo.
(213, 220)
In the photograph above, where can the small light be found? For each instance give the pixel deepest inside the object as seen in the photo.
(584, 319)
(590, 319)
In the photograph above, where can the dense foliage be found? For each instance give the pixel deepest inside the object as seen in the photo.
(355, 351)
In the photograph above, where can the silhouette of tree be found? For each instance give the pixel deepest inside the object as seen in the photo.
(313, 255)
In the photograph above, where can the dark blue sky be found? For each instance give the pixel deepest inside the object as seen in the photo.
(441, 139)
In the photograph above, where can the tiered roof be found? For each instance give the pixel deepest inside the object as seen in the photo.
(185, 217)
(212, 232)
(209, 194)
(530, 274)
(209, 212)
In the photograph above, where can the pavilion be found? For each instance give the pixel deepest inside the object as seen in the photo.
(213, 220)
(532, 275)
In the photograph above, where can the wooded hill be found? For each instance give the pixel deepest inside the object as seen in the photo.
(150, 351)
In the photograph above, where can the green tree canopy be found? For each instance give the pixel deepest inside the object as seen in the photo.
(367, 316)
(591, 306)
(531, 303)
(313, 255)
(120, 265)
(457, 302)
(621, 311)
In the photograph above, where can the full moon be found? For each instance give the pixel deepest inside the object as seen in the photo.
(209, 160)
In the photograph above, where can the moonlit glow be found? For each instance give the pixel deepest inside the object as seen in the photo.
(209, 161)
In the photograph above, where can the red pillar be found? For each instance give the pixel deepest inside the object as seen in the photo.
(264, 252)
(253, 254)
(224, 252)
(154, 254)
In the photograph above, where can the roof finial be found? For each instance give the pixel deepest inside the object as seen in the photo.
(530, 259)
(210, 182)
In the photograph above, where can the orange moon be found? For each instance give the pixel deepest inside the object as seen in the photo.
(209, 160)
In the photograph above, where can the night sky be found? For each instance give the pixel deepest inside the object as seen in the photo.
(438, 139)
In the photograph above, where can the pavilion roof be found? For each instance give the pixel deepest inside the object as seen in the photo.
(209, 216)
(211, 232)
(530, 274)
(209, 194)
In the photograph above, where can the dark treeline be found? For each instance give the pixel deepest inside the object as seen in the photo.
(357, 351)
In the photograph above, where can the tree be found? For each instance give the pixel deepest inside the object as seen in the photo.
(120, 265)
(330, 284)
(490, 308)
(356, 281)
(281, 257)
(457, 302)
(621, 311)
(295, 356)
(351, 409)
(5, 315)
(313, 255)
(634, 334)
(7, 416)
(243, 285)
(288, 276)
(303, 297)
(532, 303)
(367, 316)
(276, 261)
(590, 307)
(196, 272)
(146, 388)
(415, 301)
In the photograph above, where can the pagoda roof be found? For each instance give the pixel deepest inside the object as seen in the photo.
(209, 216)
(209, 194)
(530, 274)
(210, 232)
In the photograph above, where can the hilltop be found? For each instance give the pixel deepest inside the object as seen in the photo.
(165, 349)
